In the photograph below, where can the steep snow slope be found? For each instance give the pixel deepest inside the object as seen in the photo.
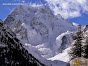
(12, 52)
(40, 30)
(62, 56)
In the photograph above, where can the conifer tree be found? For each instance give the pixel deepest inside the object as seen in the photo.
(76, 49)
(80, 46)
(85, 48)
(85, 44)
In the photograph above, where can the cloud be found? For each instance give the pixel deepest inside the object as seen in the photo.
(68, 8)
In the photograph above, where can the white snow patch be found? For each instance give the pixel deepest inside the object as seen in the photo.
(75, 24)
(61, 56)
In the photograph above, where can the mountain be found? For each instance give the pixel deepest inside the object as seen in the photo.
(12, 51)
(43, 34)
(37, 25)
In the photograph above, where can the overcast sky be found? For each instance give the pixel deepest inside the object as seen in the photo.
(72, 10)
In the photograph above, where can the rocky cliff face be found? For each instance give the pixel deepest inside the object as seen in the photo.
(12, 52)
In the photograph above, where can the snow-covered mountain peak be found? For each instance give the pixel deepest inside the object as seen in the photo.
(38, 22)
(37, 25)
(33, 9)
